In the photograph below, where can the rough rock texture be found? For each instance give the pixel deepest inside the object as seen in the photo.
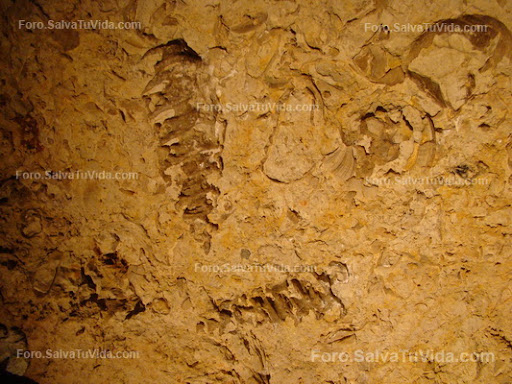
(383, 256)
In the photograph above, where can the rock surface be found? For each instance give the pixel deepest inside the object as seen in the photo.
(239, 191)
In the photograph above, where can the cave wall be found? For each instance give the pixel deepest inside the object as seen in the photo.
(238, 187)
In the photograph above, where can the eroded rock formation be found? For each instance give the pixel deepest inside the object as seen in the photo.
(241, 190)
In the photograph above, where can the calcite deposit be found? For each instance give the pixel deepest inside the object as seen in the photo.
(256, 191)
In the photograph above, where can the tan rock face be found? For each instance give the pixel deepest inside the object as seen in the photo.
(256, 192)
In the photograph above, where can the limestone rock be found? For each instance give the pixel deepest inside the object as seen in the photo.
(256, 192)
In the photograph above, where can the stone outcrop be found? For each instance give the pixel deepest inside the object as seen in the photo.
(256, 192)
